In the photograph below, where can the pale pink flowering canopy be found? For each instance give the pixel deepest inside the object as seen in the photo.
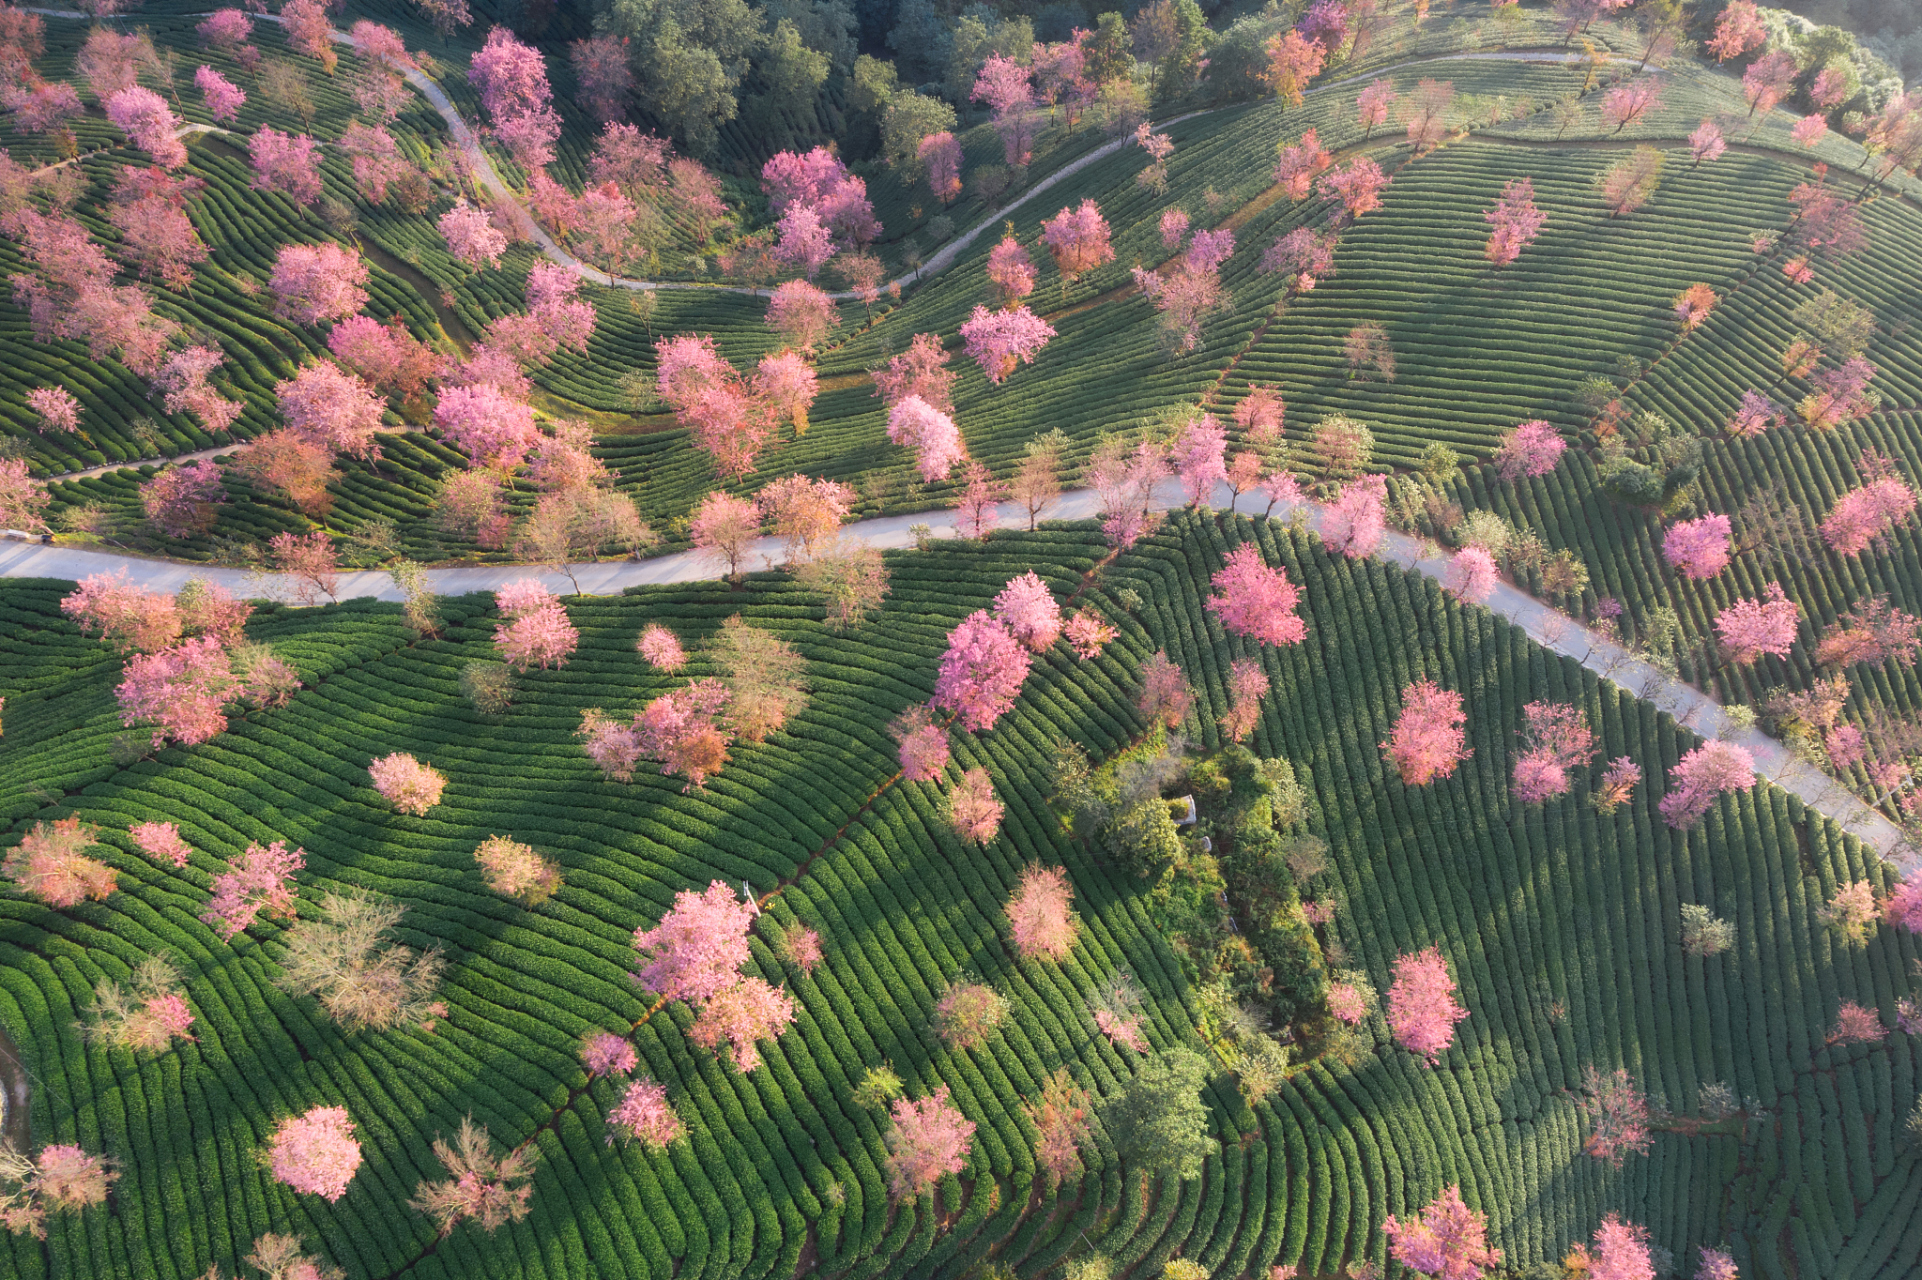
(471, 235)
(930, 1137)
(802, 314)
(1357, 188)
(661, 648)
(160, 841)
(1301, 164)
(1078, 239)
(1354, 522)
(698, 947)
(1038, 914)
(1555, 738)
(1027, 607)
(923, 745)
(1515, 221)
(1755, 414)
(1199, 456)
(752, 1009)
(1347, 1003)
(406, 783)
(1449, 1241)
(1422, 1011)
(1702, 775)
(261, 879)
(1707, 142)
(287, 163)
(181, 692)
(1427, 740)
(1714, 1265)
(1620, 1251)
(998, 341)
(1753, 627)
(1088, 634)
(931, 433)
(1699, 548)
(1531, 449)
(149, 124)
(1470, 575)
(1254, 600)
(1174, 227)
(643, 1113)
(1012, 272)
(323, 404)
(1737, 30)
(315, 282)
(56, 407)
(51, 864)
(492, 428)
(974, 810)
(1904, 907)
(541, 638)
(1247, 686)
(1862, 516)
(316, 1152)
(981, 672)
(603, 1053)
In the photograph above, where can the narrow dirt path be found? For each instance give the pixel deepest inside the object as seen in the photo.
(1690, 706)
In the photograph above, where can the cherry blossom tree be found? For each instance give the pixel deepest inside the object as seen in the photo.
(1252, 599)
(1707, 142)
(179, 501)
(1693, 305)
(1260, 414)
(51, 863)
(1371, 107)
(941, 154)
(803, 315)
(1354, 522)
(315, 282)
(1620, 1252)
(1767, 81)
(972, 809)
(44, 109)
(602, 72)
(332, 408)
(1840, 395)
(1028, 609)
(644, 1114)
(490, 1189)
(724, 527)
(923, 744)
(309, 560)
(471, 235)
(1247, 686)
(967, 1014)
(56, 408)
(1301, 164)
(1003, 85)
(1531, 449)
(1011, 271)
(803, 240)
(981, 673)
(1516, 221)
(511, 79)
(405, 783)
(181, 692)
(1293, 60)
(128, 616)
(287, 163)
(660, 648)
(1617, 784)
(1039, 914)
(387, 356)
(1449, 1240)
(749, 1010)
(1869, 515)
(1851, 913)
(1699, 548)
(1620, 1112)
(1422, 1011)
(1063, 1117)
(998, 341)
(493, 430)
(1737, 30)
(1809, 130)
(1630, 101)
(1470, 575)
(1166, 697)
(1750, 628)
(1871, 632)
(799, 946)
(149, 124)
(538, 632)
(698, 947)
(515, 870)
(976, 505)
(918, 371)
(804, 512)
(1856, 1024)
(680, 730)
(146, 1016)
(1355, 187)
(931, 433)
(1427, 741)
(376, 158)
(1702, 775)
(1427, 113)
(1555, 739)
(260, 879)
(1631, 182)
(62, 1176)
(929, 1138)
(160, 841)
(1078, 240)
(605, 1053)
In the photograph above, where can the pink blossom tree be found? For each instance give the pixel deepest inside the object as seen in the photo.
(1422, 1011)
(923, 744)
(1737, 30)
(1078, 239)
(803, 240)
(1261, 414)
(315, 1153)
(1714, 1264)
(1515, 220)
(1356, 187)
(376, 158)
(601, 70)
(1857, 1024)
(1620, 1113)
(932, 434)
(51, 863)
(387, 356)
(1869, 515)
(803, 315)
(1199, 456)
(804, 512)
(660, 648)
(1702, 775)
(490, 1189)
(941, 154)
(644, 1114)
(605, 1053)
(1449, 1240)
(309, 561)
(1247, 686)
(260, 879)
(750, 1010)
(179, 501)
(1039, 914)
(973, 811)
(405, 783)
(1620, 1251)
(181, 692)
(44, 109)
(1871, 632)
(998, 341)
(62, 1176)
(538, 632)
(471, 235)
(1768, 80)
(1354, 522)
(1631, 182)
(1011, 271)
(1371, 108)
(1470, 575)
(1840, 395)
(976, 505)
(1301, 164)
(1254, 600)
(919, 371)
(929, 1138)
(183, 381)
(724, 527)
(1166, 697)
(981, 673)
(1427, 740)
(1028, 609)
(698, 947)
(682, 730)
(287, 163)
(1531, 449)
(512, 869)
(786, 386)
(56, 409)
(1698, 548)
(511, 78)
(1628, 102)
(1003, 84)
(1293, 60)
(127, 615)
(1706, 143)
(493, 430)
(1693, 305)
(1754, 414)
(799, 946)
(160, 841)
(1555, 739)
(332, 408)
(1753, 627)
(315, 282)
(149, 124)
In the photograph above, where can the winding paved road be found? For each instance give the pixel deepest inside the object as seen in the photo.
(1546, 626)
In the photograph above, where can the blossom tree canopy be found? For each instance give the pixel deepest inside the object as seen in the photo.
(1427, 740)
(1422, 1011)
(1751, 628)
(1028, 609)
(1038, 914)
(1254, 600)
(1449, 1240)
(929, 1137)
(1698, 548)
(316, 1153)
(999, 341)
(981, 672)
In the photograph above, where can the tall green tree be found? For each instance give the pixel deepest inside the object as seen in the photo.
(689, 59)
(1159, 1122)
